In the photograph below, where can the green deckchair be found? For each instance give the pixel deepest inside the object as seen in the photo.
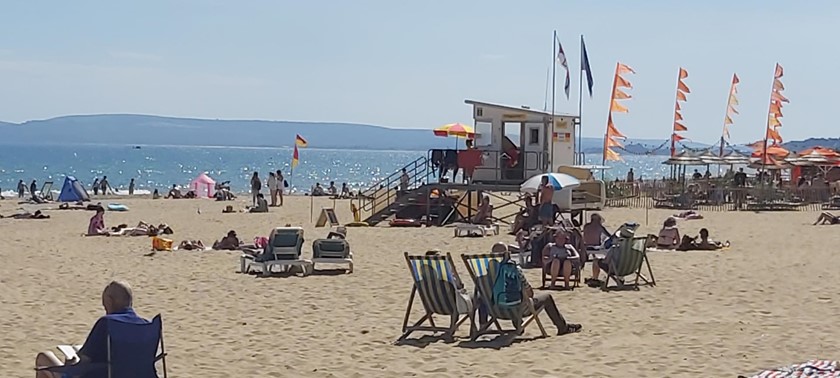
(625, 260)
(436, 281)
(483, 269)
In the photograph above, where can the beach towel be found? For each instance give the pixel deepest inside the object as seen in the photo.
(813, 368)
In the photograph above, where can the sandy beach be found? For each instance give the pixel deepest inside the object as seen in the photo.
(766, 302)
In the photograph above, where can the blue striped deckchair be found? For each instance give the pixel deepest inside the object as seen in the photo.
(436, 281)
(483, 269)
(630, 255)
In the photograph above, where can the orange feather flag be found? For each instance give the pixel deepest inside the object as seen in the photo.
(617, 107)
(774, 135)
(679, 127)
(683, 73)
(678, 116)
(681, 96)
(620, 95)
(622, 82)
(623, 68)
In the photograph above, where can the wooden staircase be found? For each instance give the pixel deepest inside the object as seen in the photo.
(382, 201)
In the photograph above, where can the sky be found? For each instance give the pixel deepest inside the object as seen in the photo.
(412, 64)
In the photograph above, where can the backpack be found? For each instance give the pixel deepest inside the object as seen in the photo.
(507, 288)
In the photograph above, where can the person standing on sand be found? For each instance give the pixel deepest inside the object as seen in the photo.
(256, 185)
(281, 185)
(95, 186)
(272, 188)
(104, 186)
(546, 209)
(131, 187)
(33, 187)
(21, 189)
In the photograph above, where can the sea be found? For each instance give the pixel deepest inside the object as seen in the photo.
(159, 167)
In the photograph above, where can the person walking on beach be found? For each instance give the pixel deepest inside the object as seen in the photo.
(272, 188)
(131, 187)
(256, 185)
(33, 187)
(95, 186)
(281, 185)
(21, 189)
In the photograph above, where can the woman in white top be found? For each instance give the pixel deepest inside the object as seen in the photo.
(669, 235)
(272, 188)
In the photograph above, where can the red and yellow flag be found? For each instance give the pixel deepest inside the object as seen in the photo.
(730, 110)
(775, 112)
(299, 141)
(295, 157)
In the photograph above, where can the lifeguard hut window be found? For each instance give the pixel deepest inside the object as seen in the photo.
(534, 136)
(483, 134)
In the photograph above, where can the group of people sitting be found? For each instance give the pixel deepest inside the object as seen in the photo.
(331, 190)
(669, 238)
(175, 193)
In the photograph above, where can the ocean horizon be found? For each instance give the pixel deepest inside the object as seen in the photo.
(161, 166)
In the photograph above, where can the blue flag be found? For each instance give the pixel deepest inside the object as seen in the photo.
(584, 65)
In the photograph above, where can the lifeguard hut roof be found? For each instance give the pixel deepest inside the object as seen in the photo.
(516, 108)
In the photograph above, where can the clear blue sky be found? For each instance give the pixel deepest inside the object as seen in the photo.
(412, 64)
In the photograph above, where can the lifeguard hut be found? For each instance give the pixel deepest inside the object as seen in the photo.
(520, 142)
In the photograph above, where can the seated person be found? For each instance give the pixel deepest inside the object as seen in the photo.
(827, 218)
(191, 245)
(332, 190)
(560, 254)
(669, 235)
(540, 301)
(345, 191)
(318, 190)
(117, 300)
(262, 205)
(174, 193)
(706, 244)
(230, 242)
(190, 194)
(485, 211)
(96, 226)
(594, 232)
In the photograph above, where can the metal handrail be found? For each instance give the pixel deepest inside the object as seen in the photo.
(417, 172)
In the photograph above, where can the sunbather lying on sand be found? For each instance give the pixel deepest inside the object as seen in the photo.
(690, 214)
(191, 245)
(142, 229)
(701, 243)
(27, 215)
(827, 218)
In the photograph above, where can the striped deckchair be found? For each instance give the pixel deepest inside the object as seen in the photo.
(436, 281)
(628, 259)
(483, 269)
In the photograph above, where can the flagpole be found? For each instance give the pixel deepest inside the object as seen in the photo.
(767, 128)
(553, 90)
(578, 147)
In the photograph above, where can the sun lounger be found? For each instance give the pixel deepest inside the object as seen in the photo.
(628, 261)
(46, 191)
(436, 281)
(482, 269)
(283, 250)
(332, 251)
(133, 351)
(462, 229)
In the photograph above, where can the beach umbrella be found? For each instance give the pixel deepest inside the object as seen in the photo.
(559, 181)
(457, 130)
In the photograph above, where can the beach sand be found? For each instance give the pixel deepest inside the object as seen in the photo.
(766, 302)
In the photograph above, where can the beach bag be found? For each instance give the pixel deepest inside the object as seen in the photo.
(507, 288)
(161, 244)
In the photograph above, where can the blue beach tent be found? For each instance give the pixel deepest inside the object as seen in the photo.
(72, 191)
